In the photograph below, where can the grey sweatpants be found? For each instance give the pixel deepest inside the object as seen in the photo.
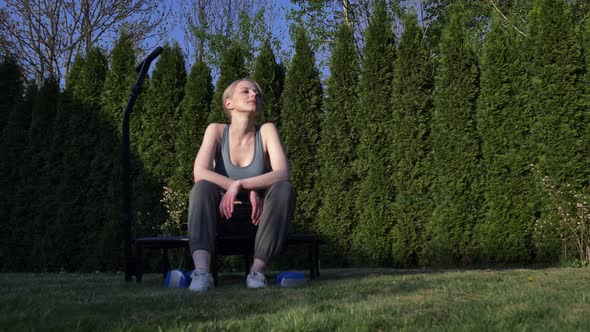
(204, 221)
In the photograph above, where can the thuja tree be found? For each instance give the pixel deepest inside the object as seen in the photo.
(119, 80)
(232, 68)
(100, 162)
(557, 131)
(336, 152)
(475, 16)
(115, 94)
(14, 144)
(375, 191)
(300, 119)
(270, 77)
(68, 195)
(194, 110)
(455, 145)
(81, 210)
(503, 124)
(555, 72)
(11, 95)
(30, 190)
(91, 79)
(410, 144)
(159, 126)
(160, 117)
(11, 88)
(586, 116)
(48, 206)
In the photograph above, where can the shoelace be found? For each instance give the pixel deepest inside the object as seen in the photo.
(198, 275)
(259, 276)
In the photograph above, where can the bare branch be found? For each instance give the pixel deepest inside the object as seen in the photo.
(46, 34)
(506, 18)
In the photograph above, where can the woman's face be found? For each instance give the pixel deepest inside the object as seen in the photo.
(245, 98)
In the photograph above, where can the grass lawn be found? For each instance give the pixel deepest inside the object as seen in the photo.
(347, 300)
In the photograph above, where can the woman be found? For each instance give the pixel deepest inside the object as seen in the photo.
(234, 164)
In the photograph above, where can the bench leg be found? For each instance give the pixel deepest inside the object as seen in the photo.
(311, 262)
(316, 250)
(246, 259)
(213, 268)
(165, 265)
(138, 262)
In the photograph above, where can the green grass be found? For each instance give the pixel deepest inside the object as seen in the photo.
(346, 300)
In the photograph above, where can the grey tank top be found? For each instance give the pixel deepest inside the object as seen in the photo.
(224, 166)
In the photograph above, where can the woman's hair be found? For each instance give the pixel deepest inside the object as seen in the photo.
(230, 90)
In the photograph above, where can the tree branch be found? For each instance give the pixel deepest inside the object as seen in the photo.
(506, 18)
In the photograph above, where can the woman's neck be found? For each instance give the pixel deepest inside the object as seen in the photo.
(242, 126)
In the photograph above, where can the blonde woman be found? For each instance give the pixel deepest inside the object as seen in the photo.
(235, 165)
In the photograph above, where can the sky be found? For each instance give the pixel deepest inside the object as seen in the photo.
(279, 28)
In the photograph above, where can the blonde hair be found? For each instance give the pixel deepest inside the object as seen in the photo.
(230, 90)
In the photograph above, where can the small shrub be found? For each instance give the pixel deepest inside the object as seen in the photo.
(572, 208)
(175, 205)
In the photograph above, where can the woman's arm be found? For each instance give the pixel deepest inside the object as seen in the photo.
(203, 167)
(278, 162)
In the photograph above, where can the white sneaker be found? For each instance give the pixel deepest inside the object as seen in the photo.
(201, 282)
(256, 280)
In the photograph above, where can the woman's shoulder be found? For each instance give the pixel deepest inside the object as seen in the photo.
(268, 128)
(216, 127)
(215, 130)
(269, 133)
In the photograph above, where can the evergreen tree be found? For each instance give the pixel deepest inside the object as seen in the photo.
(503, 124)
(557, 83)
(556, 98)
(336, 151)
(300, 121)
(232, 68)
(375, 191)
(90, 80)
(518, 12)
(161, 116)
(118, 81)
(194, 109)
(455, 145)
(410, 144)
(82, 182)
(107, 162)
(50, 200)
(11, 95)
(65, 155)
(475, 17)
(72, 77)
(586, 116)
(11, 88)
(32, 179)
(14, 144)
(270, 77)
(100, 164)
(159, 127)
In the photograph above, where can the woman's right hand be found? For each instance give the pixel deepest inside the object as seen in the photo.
(226, 207)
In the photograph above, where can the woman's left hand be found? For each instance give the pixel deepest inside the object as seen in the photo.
(226, 206)
(256, 204)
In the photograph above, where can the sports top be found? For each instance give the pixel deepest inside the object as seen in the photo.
(225, 167)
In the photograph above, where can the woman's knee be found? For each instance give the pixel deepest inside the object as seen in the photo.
(202, 188)
(283, 188)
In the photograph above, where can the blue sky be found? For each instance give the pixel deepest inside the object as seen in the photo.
(280, 27)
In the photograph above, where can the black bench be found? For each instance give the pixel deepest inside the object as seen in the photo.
(226, 245)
